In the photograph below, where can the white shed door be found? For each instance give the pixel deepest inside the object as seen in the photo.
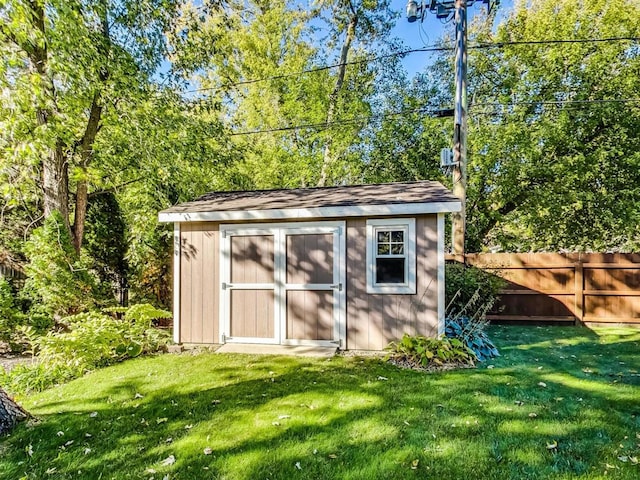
(283, 283)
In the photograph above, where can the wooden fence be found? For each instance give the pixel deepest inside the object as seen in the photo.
(587, 288)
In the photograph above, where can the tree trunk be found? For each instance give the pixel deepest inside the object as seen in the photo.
(86, 151)
(10, 413)
(55, 182)
(333, 98)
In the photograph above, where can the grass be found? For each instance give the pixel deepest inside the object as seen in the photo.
(346, 418)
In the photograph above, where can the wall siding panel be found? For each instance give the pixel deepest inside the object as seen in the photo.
(199, 282)
(374, 320)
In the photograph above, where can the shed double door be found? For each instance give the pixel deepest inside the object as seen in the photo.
(283, 284)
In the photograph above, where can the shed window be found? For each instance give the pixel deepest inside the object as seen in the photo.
(391, 256)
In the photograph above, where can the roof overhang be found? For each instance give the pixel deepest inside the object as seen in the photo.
(316, 212)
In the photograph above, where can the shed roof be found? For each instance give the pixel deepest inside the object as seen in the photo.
(343, 201)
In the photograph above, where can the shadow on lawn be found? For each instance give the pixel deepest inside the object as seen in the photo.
(262, 416)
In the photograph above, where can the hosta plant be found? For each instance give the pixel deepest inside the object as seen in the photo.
(424, 352)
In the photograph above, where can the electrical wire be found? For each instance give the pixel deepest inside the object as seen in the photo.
(428, 48)
(322, 68)
(558, 102)
(423, 109)
(347, 121)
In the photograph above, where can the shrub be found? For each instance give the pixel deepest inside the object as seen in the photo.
(58, 281)
(423, 352)
(90, 340)
(463, 282)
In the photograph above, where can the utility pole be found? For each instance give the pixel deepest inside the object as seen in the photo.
(458, 219)
(443, 9)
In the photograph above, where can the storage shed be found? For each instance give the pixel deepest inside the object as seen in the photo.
(349, 266)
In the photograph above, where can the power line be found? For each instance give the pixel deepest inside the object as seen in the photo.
(558, 102)
(434, 113)
(322, 68)
(347, 121)
(402, 53)
(548, 42)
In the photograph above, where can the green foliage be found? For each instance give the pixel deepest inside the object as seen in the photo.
(89, 340)
(105, 241)
(58, 282)
(553, 163)
(464, 284)
(419, 351)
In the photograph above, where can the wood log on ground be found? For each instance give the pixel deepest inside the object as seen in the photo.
(10, 413)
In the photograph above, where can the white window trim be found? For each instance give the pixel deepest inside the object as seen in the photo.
(409, 287)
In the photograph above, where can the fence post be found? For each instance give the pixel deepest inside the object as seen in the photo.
(579, 291)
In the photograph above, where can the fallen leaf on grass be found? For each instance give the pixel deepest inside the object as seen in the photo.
(161, 420)
(170, 460)
(282, 417)
(275, 424)
(533, 415)
(137, 395)
(207, 451)
(542, 384)
(623, 458)
(380, 377)
(87, 451)
(50, 471)
(60, 434)
(634, 460)
(93, 414)
(29, 450)
(333, 455)
(298, 466)
(553, 445)
(414, 464)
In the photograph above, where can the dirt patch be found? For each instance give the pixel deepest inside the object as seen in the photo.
(8, 361)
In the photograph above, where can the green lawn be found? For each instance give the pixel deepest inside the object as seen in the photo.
(347, 418)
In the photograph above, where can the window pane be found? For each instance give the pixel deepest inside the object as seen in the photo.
(397, 236)
(397, 248)
(384, 236)
(390, 270)
(383, 249)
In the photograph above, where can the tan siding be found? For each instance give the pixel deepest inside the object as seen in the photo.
(310, 258)
(375, 320)
(310, 315)
(252, 259)
(252, 313)
(186, 261)
(199, 283)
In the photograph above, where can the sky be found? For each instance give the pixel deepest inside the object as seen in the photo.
(417, 34)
